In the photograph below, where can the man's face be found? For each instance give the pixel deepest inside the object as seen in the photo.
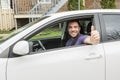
(73, 29)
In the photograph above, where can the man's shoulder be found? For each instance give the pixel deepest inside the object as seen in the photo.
(83, 35)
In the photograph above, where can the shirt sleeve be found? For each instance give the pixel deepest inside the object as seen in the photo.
(84, 37)
(81, 39)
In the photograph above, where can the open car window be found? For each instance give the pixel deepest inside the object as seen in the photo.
(54, 36)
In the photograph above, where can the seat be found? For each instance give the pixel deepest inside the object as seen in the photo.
(89, 28)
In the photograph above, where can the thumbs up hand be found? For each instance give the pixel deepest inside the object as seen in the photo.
(95, 37)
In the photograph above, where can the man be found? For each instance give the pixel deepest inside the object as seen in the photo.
(77, 38)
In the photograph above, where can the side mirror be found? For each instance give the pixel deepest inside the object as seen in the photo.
(21, 48)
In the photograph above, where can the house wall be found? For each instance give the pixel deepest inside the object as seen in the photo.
(117, 2)
(6, 19)
(89, 4)
(23, 6)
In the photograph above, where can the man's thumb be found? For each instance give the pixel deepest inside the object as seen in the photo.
(92, 28)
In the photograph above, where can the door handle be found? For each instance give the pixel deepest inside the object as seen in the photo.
(93, 56)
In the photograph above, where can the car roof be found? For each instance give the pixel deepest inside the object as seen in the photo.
(60, 14)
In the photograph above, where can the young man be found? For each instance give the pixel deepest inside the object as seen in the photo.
(77, 38)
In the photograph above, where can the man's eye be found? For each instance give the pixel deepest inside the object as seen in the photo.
(75, 26)
(70, 27)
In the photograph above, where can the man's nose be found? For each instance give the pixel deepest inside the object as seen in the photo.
(73, 29)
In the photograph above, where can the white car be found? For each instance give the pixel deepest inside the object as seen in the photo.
(37, 51)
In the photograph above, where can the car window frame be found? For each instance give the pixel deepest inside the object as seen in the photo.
(63, 19)
(71, 17)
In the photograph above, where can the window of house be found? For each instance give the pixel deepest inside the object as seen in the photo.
(112, 25)
(45, 1)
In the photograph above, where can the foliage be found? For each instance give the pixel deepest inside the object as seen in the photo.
(108, 4)
(73, 5)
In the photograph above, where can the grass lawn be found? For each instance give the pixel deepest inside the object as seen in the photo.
(1, 37)
(5, 32)
(51, 32)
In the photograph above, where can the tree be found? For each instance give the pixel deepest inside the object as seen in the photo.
(108, 4)
(73, 5)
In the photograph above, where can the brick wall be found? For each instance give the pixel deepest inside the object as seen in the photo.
(117, 4)
(23, 6)
(89, 4)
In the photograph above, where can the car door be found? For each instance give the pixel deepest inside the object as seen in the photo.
(3, 63)
(111, 35)
(65, 63)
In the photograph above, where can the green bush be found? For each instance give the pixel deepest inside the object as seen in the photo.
(73, 5)
(108, 4)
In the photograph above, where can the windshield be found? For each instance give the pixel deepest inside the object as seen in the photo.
(4, 37)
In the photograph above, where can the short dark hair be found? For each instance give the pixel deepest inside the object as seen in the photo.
(74, 21)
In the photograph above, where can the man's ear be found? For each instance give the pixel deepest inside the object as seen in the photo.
(79, 29)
